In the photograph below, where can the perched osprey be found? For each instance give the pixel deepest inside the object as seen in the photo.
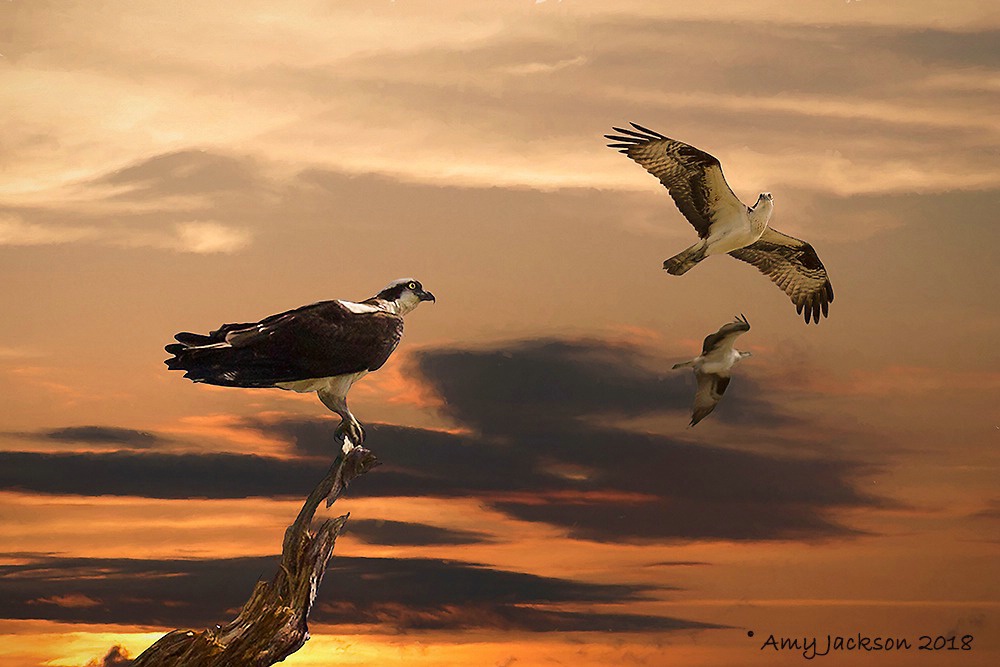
(713, 366)
(324, 347)
(725, 225)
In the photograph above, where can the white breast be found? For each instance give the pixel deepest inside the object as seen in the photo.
(720, 360)
(312, 384)
(337, 384)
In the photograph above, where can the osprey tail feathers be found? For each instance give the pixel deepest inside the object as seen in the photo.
(684, 364)
(220, 364)
(684, 261)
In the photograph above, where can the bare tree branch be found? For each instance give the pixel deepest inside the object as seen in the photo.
(273, 623)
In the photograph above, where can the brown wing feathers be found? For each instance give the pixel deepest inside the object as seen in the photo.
(681, 168)
(321, 340)
(794, 266)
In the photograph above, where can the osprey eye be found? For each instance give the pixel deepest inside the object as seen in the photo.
(412, 286)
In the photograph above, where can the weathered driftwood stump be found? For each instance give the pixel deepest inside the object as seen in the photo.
(273, 623)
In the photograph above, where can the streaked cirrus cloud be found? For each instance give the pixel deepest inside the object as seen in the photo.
(199, 237)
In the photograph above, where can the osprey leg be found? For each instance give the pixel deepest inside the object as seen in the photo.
(349, 425)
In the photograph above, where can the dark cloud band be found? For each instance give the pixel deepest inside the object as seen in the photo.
(404, 593)
(542, 445)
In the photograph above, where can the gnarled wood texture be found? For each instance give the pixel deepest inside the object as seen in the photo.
(273, 623)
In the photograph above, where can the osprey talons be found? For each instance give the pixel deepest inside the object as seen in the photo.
(352, 430)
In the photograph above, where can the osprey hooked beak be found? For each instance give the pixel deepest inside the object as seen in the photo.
(424, 295)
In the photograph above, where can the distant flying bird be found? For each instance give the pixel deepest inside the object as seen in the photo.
(324, 347)
(713, 367)
(725, 225)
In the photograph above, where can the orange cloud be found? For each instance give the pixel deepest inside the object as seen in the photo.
(42, 377)
(219, 429)
(635, 335)
(70, 600)
(92, 527)
(396, 383)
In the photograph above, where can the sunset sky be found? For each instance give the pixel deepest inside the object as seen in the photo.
(170, 166)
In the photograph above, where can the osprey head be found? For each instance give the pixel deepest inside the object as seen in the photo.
(405, 293)
(763, 208)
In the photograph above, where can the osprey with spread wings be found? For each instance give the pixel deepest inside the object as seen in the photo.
(713, 367)
(724, 223)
